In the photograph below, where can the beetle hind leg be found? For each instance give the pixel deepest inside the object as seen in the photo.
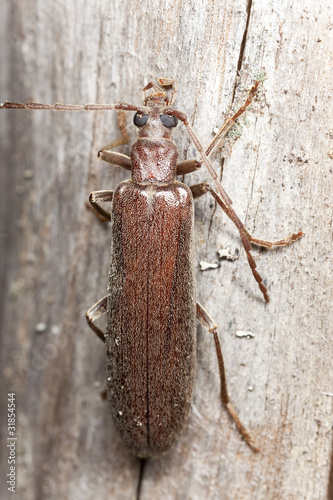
(210, 326)
(95, 312)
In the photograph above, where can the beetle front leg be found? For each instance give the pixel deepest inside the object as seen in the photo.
(201, 189)
(95, 312)
(204, 318)
(117, 159)
(114, 158)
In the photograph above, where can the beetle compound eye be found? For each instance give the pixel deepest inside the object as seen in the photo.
(140, 120)
(169, 120)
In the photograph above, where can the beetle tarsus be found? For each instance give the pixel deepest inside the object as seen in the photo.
(241, 428)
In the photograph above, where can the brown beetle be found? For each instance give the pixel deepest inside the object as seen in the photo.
(151, 303)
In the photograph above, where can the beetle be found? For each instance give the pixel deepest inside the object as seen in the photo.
(151, 303)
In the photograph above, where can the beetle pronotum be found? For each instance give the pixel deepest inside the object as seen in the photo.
(151, 303)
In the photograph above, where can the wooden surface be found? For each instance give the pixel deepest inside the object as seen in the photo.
(55, 255)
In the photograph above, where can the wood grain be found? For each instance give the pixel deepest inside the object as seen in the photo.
(277, 169)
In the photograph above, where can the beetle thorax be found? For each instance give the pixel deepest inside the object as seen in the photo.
(154, 161)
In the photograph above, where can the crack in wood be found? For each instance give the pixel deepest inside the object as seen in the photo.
(242, 47)
(239, 66)
(139, 488)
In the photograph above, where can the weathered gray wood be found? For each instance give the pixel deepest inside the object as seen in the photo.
(54, 255)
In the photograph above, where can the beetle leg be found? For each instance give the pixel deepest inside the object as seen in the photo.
(94, 313)
(117, 159)
(97, 196)
(210, 326)
(217, 139)
(200, 189)
(188, 166)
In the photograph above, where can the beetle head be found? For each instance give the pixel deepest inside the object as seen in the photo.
(154, 119)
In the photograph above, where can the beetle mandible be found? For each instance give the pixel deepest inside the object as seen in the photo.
(151, 303)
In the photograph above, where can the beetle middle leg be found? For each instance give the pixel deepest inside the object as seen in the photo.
(97, 196)
(203, 188)
(210, 326)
